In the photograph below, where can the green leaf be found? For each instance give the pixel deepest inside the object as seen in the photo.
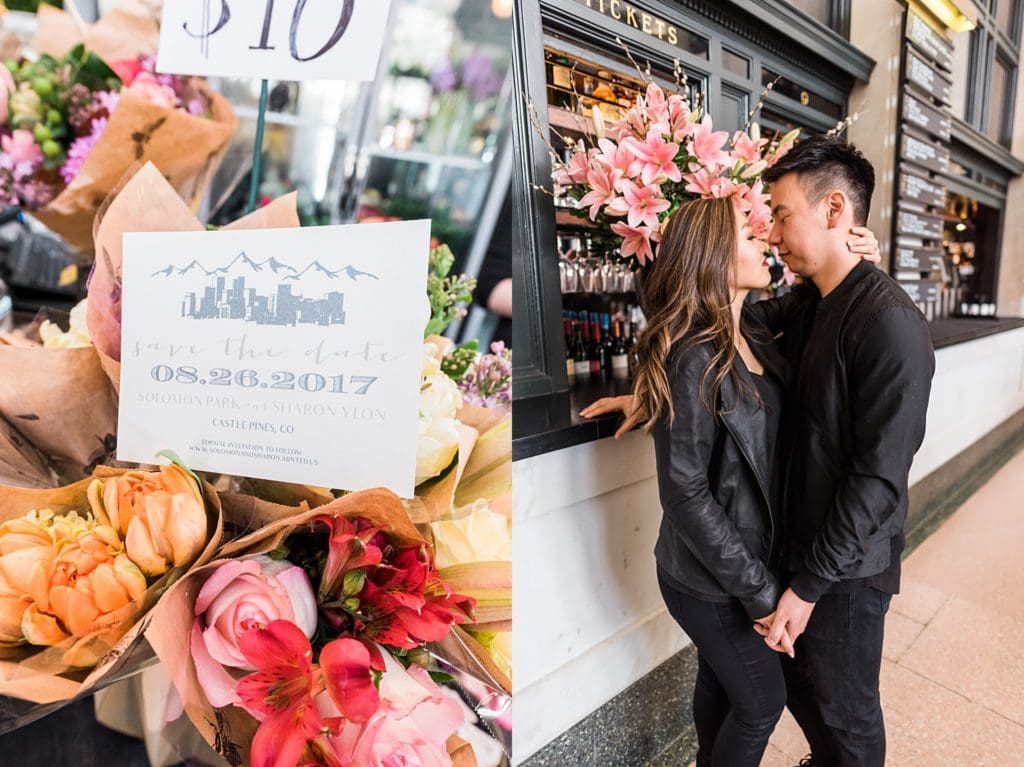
(173, 457)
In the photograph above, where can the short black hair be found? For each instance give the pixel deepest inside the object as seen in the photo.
(825, 163)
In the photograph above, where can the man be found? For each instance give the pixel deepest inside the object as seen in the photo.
(863, 361)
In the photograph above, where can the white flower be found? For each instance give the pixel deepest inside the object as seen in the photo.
(481, 535)
(440, 400)
(77, 335)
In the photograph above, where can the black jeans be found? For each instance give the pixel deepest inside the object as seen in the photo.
(833, 682)
(740, 690)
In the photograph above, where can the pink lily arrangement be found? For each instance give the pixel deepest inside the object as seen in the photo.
(660, 155)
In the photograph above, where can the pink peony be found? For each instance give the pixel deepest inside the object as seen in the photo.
(147, 86)
(239, 596)
(7, 87)
(22, 147)
(409, 729)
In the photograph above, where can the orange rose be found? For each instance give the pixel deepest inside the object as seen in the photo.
(62, 577)
(160, 516)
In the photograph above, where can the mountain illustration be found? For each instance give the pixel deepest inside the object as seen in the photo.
(193, 265)
(275, 266)
(244, 258)
(355, 274)
(318, 267)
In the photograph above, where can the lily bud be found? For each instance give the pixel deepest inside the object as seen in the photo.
(754, 170)
(790, 137)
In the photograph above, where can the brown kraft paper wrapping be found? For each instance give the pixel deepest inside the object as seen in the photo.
(62, 402)
(146, 202)
(187, 150)
(40, 674)
(21, 464)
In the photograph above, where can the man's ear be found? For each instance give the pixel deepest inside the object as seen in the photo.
(835, 206)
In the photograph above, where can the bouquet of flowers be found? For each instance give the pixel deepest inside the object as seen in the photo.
(72, 123)
(60, 400)
(81, 565)
(661, 154)
(308, 644)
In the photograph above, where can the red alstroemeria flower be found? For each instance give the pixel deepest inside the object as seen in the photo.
(280, 694)
(407, 604)
(346, 664)
(349, 548)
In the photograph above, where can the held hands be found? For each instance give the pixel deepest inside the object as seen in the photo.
(783, 627)
(864, 242)
(604, 405)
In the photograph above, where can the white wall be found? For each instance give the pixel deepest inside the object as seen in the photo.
(977, 386)
(589, 620)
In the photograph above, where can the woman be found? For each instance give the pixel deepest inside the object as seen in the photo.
(709, 387)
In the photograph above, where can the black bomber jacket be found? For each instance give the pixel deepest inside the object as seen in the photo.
(862, 360)
(719, 532)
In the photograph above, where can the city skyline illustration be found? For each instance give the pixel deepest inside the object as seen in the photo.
(227, 297)
(219, 301)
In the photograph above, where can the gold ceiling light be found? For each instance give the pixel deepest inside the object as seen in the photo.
(949, 14)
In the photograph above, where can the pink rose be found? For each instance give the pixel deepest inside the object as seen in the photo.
(22, 147)
(241, 595)
(410, 728)
(7, 87)
(145, 85)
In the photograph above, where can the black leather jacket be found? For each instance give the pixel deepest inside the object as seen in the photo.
(719, 531)
(863, 361)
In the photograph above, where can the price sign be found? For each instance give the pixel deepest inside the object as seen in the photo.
(273, 39)
(286, 354)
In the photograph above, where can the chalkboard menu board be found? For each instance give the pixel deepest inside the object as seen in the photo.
(923, 156)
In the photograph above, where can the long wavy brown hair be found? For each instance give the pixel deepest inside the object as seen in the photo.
(686, 298)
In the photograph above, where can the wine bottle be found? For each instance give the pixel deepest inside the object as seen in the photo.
(580, 357)
(607, 340)
(596, 350)
(570, 360)
(620, 354)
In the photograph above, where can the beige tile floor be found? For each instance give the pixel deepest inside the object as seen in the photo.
(953, 668)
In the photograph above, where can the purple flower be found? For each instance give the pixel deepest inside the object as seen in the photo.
(108, 100)
(80, 149)
(479, 77)
(444, 78)
(488, 383)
